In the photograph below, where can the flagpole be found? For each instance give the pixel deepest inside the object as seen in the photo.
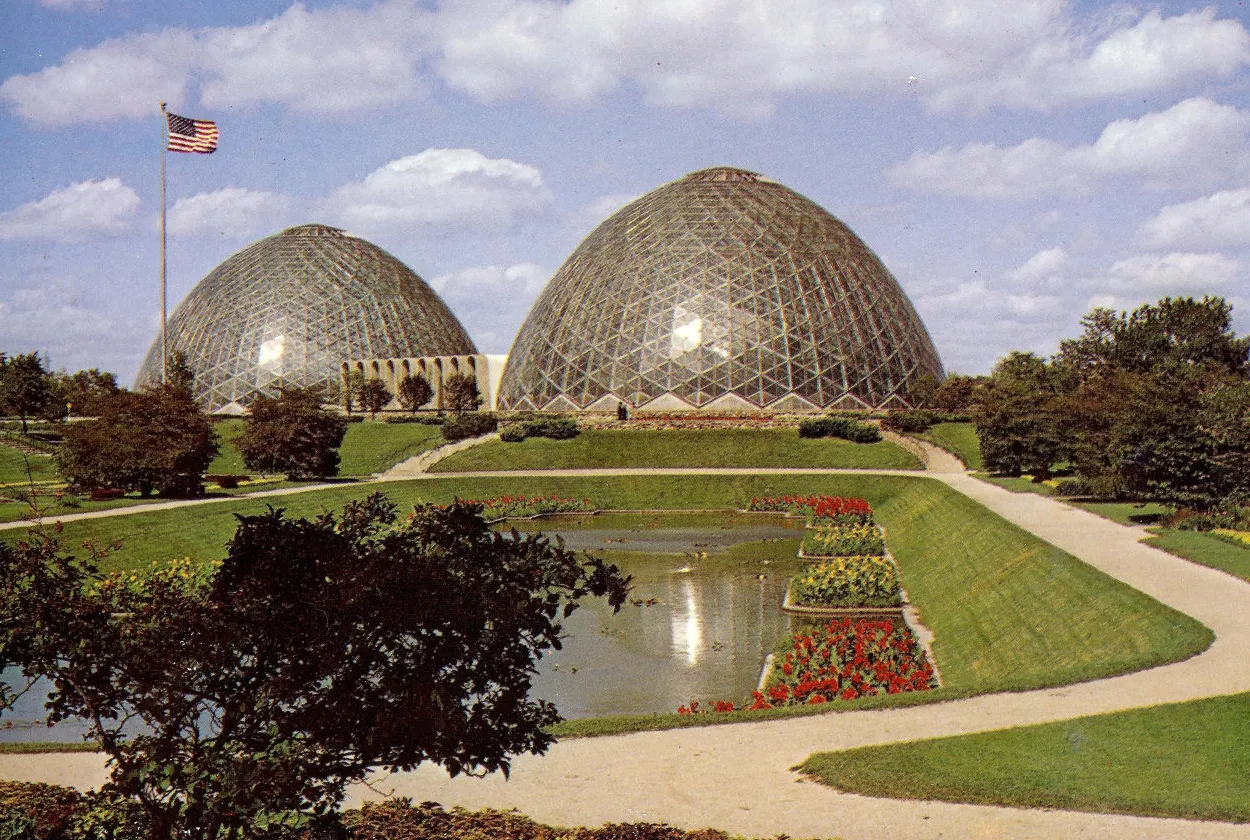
(164, 154)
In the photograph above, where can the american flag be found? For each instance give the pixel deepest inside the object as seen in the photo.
(192, 135)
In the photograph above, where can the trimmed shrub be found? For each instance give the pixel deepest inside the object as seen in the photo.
(513, 433)
(470, 424)
(845, 428)
(556, 428)
(423, 419)
(353, 418)
(909, 422)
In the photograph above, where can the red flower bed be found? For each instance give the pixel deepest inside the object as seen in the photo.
(843, 660)
(837, 510)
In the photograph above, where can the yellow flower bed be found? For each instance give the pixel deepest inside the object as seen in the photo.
(848, 582)
(1241, 538)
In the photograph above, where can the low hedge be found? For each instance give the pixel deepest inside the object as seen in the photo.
(840, 427)
(555, 428)
(910, 422)
(468, 425)
(423, 419)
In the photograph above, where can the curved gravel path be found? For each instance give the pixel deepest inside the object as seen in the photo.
(738, 777)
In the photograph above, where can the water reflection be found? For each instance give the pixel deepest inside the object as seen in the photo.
(705, 611)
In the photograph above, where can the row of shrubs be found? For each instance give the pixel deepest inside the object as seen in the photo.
(555, 428)
(31, 811)
(840, 427)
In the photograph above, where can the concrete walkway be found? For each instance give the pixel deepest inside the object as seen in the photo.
(738, 777)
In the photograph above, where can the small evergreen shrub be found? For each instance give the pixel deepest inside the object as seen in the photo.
(556, 428)
(512, 433)
(909, 422)
(470, 424)
(353, 418)
(845, 428)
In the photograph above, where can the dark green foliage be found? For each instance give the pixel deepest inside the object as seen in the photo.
(839, 427)
(424, 419)
(954, 395)
(157, 440)
(460, 393)
(25, 387)
(1017, 417)
(414, 391)
(292, 434)
(909, 422)
(469, 425)
(374, 395)
(513, 433)
(316, 651)
(86, 392)
(555, 428)
(350, 390)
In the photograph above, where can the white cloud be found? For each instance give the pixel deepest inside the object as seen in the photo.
(492, 300)
(1153, 54)
(50, 316)
(72, 213)
(1193, 143)
(326, 60)
(1213, 221)
(233, 211)
(1041, 266)
(733, 55)
(439, 187)
(93, 5)
(1176, 273)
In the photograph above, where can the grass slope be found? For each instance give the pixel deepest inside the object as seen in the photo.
(1009, 611)
(1187, 760)
(1205, 550)
(679, 448)
(14, 463)
(959, 439)
(368, 448)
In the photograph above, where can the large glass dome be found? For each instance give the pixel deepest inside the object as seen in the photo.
(291, 308)
(722, 290)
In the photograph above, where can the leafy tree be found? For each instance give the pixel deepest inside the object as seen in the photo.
(460, 393)
(374, 395)
(1015, 414)
(954, 395)
(87, 391)
(292, 434)
(154, 440)
(25, 387)
(255, 691)
(353, 383)
(414, 392)
(179, 377)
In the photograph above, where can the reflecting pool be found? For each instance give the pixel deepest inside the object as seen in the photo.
(704, 612)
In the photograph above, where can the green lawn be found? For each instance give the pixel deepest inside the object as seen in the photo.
(1127, 513)
(1009, 611)
(959, 439)
(14, 462)
(679, 448)
(1205, 550)
(368, 448)
(1188, 760)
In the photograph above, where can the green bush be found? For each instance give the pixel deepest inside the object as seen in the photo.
(423, 419)
(840, 427)
(470, 424)
(513, 433)
(1104, 487)
(556, 428)
(909, 422)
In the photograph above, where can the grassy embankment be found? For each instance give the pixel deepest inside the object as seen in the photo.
(1009, 611)
(959, 439)
(680, 448)
(1187, 760)
(368, 448)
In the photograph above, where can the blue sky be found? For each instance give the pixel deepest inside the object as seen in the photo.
(1013, 163)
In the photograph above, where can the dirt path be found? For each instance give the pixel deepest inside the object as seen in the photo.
(738, 777)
